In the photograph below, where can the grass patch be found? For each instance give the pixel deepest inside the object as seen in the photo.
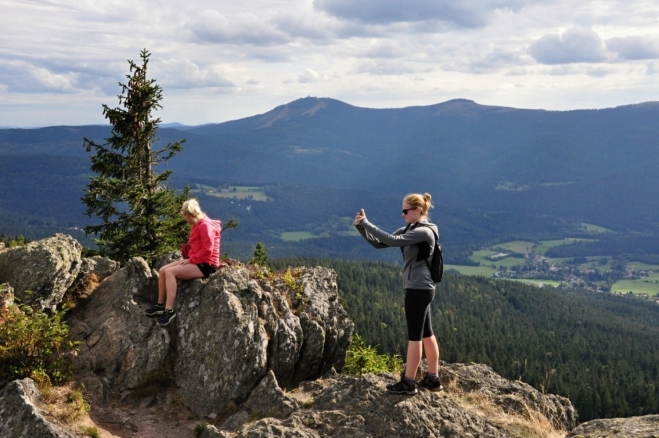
(296, 236)
(548, 244)
(595, 228)
(643, 266)
(520, 246)
(235, 192)
(485, 271)
(646, 285)
(536, 282)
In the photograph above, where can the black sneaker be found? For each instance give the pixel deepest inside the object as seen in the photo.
(402, 387)
(166, 317)
(156, 309)
(431, 384)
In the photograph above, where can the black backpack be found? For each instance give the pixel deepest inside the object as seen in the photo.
(436, 266)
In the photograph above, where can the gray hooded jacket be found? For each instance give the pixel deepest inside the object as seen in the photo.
(416, 275)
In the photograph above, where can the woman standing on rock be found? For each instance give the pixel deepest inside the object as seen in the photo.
(202, 259)
(417, 242)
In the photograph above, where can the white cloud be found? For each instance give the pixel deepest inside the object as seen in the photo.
(308, 76)
(182, 73)
(24, 77)
(496, 59)
(211, 26)
(382, 49)
(464, 13)
(390, 67)
(574, 45)
(634, 47)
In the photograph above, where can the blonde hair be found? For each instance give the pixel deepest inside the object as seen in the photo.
(191, 206)
(422, 202)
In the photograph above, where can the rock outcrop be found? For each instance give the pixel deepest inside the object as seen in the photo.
(46, 268)
(231, 330)
(344, 406)
(120, 345)
(634, 427)
(21, 415)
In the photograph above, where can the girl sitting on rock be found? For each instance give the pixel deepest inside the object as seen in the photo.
(202, 259)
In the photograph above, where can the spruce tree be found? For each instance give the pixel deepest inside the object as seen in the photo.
(139, 212)
(260, 255)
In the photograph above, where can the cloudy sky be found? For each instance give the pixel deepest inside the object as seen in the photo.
(226, 59)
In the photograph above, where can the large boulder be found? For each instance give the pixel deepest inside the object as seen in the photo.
(45, 267)
(230, 330)
(120, 344)
(22, 416)
(634, 427)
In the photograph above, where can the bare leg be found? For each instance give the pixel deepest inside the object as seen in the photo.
(162, 290)
(414, 351)
(432, 353)
(187, 271)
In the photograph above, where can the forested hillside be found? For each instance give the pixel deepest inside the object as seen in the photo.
(600, 350)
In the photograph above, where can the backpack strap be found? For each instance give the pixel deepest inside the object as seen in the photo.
(436, 240)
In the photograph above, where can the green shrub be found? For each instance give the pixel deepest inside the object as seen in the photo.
(92, 432)
(290, 280)
(199, 429)
(362, 359)
(34, 343)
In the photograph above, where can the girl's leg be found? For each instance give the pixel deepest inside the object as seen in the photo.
(186, 271)
(162, 290)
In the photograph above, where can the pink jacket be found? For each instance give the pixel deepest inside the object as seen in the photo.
(205, 242)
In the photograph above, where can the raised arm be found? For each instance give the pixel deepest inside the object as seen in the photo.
(382, 239)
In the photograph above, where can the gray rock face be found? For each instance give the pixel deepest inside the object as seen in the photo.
(513, 397)
(634, 427)
(120, 344)
(21, 416)
(231, 330)
(268, 399)
(46, 267)
(221, 346)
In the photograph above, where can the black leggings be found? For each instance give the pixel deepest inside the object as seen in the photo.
(417, 313)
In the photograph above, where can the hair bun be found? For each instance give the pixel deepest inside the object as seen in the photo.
(427, 197)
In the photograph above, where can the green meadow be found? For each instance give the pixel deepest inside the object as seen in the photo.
(548, 244)
(595, 228)
(520, 246)
(296, 236)
(485, 271)
(646, 285)
(535, 282)
(236, 192)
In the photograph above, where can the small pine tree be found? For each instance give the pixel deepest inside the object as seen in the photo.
(139, 213)
(260, 256)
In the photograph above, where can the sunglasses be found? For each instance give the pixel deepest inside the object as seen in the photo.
(405, 210)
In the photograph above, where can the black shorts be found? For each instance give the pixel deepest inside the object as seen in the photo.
(417, 313)
(206, 269)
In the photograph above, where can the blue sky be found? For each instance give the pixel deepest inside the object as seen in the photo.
(223, 60)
